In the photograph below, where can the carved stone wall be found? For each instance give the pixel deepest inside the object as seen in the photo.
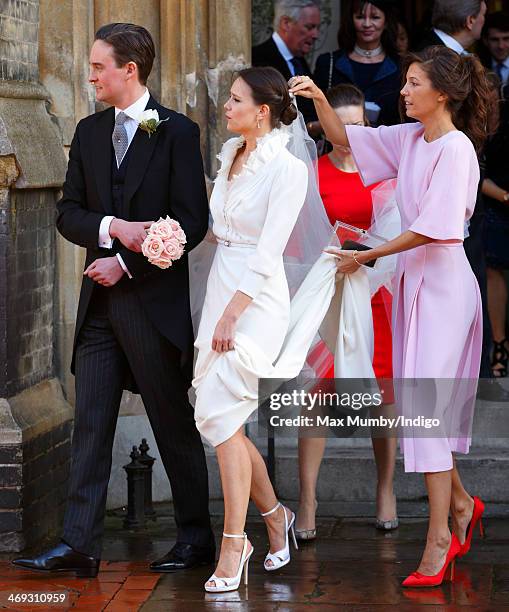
(35, 420)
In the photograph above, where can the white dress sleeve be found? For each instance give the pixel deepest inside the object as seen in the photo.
(286, 198)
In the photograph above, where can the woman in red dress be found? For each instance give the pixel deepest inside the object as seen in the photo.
(346, 199)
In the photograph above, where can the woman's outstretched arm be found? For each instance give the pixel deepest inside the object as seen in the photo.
(347, 263)
(331, 123)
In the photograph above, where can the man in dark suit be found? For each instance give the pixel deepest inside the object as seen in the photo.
(296, 27)
(495, 40)
(457, 24)
(133, 327)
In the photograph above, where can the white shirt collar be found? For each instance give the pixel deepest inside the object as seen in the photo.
(136, 108)
(282, 48)
(450, 41)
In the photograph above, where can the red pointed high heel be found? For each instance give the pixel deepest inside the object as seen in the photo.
(476, 518)
(447, 572)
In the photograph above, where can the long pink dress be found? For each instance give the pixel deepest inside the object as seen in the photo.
(437, 316)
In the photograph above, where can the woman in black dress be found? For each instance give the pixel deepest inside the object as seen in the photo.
(367, 57)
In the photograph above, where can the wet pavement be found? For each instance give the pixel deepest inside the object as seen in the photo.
(351, 566)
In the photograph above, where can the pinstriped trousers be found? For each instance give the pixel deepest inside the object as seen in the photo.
(117, 335)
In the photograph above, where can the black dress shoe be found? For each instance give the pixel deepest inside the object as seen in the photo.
(184, 556)
(61, 558)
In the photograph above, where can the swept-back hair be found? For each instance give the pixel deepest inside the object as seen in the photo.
(462, 78)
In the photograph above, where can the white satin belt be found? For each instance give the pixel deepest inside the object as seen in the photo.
(230, 243)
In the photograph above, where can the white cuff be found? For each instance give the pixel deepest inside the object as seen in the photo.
(251, 283)
(105, 240)
(123, 266)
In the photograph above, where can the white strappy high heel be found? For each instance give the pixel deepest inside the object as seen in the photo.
(223, 584)
(281, 557)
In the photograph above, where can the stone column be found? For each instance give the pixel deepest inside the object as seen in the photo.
(35, 420)
(65, 35)
(202, 43)
(184, 61)
(229, 51)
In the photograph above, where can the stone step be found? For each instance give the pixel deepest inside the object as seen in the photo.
(347, 481)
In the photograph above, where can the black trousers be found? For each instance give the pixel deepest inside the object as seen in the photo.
(118, 335)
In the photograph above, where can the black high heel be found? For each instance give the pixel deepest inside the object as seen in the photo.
(499, 358)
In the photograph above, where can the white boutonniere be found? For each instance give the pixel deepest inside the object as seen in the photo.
(149, 121)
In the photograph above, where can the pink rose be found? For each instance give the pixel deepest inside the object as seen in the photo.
(153, 228)
(180, 235)
(162, 228)
(175, 225)
(173, 248)
(152, 246)
(163, 261)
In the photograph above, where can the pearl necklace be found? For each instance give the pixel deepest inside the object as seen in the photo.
(368, 52)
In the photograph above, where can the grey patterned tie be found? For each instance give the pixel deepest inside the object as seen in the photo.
(119, 137)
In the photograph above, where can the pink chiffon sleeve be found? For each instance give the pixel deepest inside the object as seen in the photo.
(452, 193)
(376, 151)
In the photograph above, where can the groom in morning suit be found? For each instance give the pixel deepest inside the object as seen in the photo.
(133, 328)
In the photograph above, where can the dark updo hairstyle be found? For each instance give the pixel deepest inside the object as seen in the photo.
(268, 86)
(347, 94)
(462, 78)
(347, 34)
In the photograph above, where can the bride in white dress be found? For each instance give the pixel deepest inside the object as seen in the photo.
(258, 194)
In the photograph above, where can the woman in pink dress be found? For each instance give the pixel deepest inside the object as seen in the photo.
(437, 322)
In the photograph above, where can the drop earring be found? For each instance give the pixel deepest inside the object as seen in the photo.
(258, 123)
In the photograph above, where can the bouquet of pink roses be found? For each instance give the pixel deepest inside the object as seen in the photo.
(164, 243)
